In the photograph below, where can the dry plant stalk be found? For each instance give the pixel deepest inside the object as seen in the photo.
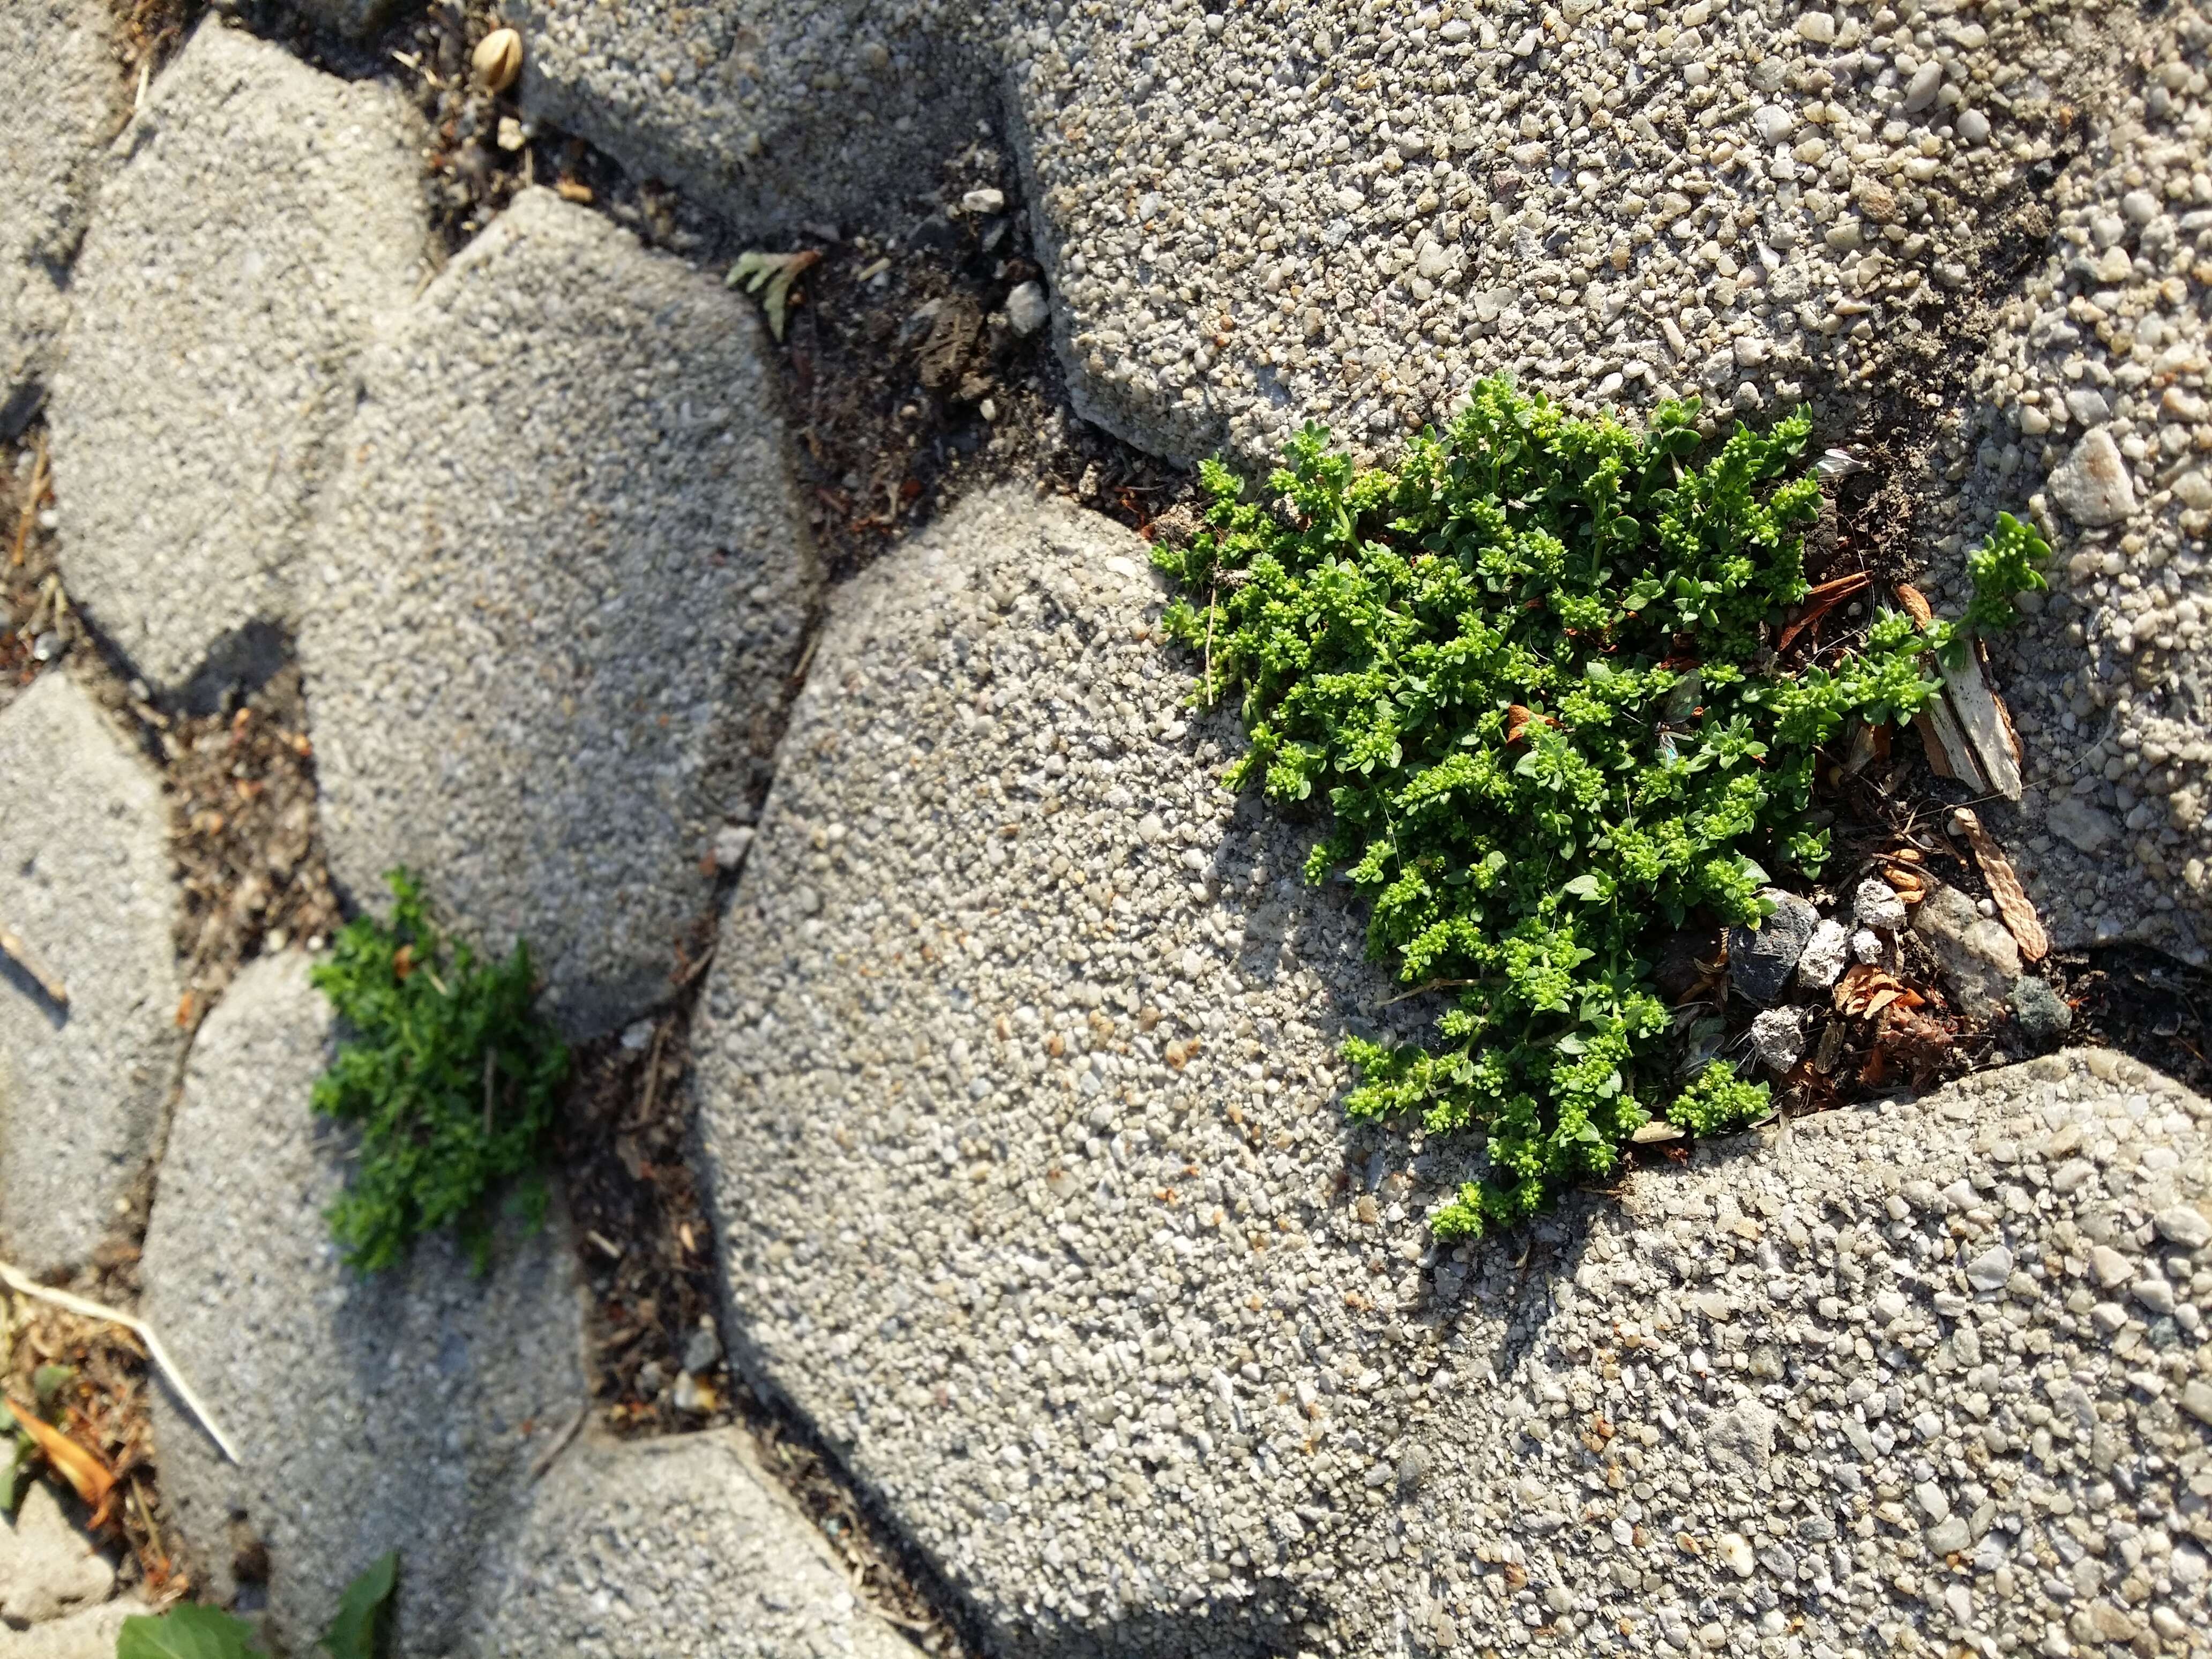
(2004, 887)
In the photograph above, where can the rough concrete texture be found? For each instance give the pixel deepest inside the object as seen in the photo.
(1017, 1073)
(1259, 216)
(2091, 402)
(775, 114)
(557, 583)
(397, 1411)
(89, 1635)
(1051, 1220)
(660, 1549)
(84, 886)
(60, 97)
(48, 1569)
(268, 213)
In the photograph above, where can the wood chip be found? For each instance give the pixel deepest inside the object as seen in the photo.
(1967, 731)
(1984, 722)
(2004, 887)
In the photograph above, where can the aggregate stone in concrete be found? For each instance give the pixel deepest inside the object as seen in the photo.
(660, 1549)
(1255, 216)
(2092, 407)
(60, 102)
(85, 889)
(776, 114)
(1018, 1080)
(402, 1410)
(267, 214)
(556, 584)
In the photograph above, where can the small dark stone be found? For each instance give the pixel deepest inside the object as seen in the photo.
(2043, 1014)
(1760, 961)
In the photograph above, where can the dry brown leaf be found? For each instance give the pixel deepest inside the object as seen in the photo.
(1908, 883)
(1820, 600)
(1915, 606)
(85, 1471)
(1861, 983)
(2004, 887)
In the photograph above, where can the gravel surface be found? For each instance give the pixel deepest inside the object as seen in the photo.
(1255, 217)
(2097, 374)
(402, 1410)
(85, 889)
(544, 654)
(267, 214)
(60, 96)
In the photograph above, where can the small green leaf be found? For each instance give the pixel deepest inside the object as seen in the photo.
(187, 1632)
(358, 1631)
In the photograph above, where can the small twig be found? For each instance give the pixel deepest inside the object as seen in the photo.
(1213, 595)
(29, 514)
(488, 1073)
(23, 1285)
(543, 1461)
(18, 952)
(1423, 990)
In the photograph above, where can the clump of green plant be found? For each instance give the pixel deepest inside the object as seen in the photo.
(361, 1629)
(1529, 671)
(450, 1076)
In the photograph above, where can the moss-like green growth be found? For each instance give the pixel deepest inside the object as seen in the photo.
(1531, 672)
(447, 1071)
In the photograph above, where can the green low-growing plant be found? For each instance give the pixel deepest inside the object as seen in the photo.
(449, 1074)
(1529, 671)
(360, 1630)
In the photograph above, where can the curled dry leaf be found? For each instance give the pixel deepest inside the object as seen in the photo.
(87, 1474)
(1911, 886)
(1867, 988)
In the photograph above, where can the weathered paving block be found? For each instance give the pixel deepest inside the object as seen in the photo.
(2103, 421)
(61, 97)
(401, 1411)
(1017, 1083)
(776, 114)
(267, 214)
(557, 583)
(1863, 1388)
(655, 1549)
(1254, 216)
(1018, 1086)
(85, 889)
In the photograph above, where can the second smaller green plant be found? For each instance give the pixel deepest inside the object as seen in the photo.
(448, 1072)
